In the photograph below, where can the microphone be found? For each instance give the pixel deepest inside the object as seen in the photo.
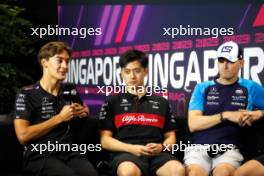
(69, 94)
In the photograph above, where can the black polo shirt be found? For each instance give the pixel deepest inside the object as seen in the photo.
(36, 105)
(137, 121)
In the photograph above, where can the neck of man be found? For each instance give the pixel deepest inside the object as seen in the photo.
(225, 81)
(50, 85)
(140, 91)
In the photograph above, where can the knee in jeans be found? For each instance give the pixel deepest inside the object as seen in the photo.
(128, 169)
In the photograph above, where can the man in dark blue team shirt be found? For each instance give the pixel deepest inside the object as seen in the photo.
(216, 112)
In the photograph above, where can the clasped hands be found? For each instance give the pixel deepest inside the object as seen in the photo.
(148, 149)
(248, 117)
(243, 117)
(73, 110)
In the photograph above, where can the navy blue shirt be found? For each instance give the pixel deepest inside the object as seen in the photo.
(211, 98)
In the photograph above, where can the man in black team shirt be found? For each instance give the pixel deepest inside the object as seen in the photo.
(43, 115)
(136, 126)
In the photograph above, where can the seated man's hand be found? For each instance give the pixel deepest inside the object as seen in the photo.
(80, 110)
(233, 116)
(66, 114)
(140, 150)
(249, 117)
(154, 148)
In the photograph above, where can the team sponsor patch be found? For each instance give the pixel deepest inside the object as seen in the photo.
(139, 119)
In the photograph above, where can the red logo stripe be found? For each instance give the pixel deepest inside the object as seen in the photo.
(259, 21)
(139, 119)
(123, 24)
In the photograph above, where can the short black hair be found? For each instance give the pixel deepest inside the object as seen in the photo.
(133, 55)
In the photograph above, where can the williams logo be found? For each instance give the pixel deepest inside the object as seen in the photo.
(226, 49)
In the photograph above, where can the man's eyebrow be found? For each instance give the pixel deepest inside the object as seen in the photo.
(61, 57)
(132, 68)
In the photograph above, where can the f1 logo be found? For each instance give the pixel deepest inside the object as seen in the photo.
(226, 49)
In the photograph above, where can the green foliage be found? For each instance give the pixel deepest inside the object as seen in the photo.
(13, 39)
(15, 44)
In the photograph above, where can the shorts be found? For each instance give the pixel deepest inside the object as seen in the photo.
(193, 155)
(147, 164)
(260, 159)
(58, 164)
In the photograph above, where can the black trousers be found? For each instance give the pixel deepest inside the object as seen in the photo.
(59, 164)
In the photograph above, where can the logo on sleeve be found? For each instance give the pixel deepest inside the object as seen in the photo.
(21, 102)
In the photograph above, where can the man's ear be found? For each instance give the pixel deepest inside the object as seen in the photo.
(43, 62)
(146, 71)
(242, 62)
(121, 73)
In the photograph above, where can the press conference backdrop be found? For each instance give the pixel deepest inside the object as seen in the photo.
(180, 39)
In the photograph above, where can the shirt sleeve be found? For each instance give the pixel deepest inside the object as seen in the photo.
(170, 123)
(197, 99)
(22, 107)
(106, 121)
(258, 97)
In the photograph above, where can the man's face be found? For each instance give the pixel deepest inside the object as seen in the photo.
(56, 66)
(133, 74)
(229, 70)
